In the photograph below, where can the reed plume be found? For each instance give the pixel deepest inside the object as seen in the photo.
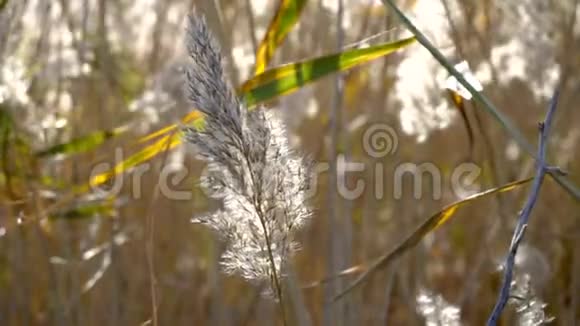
(251, 168)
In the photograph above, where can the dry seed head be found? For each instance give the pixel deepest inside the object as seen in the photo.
(261, 181)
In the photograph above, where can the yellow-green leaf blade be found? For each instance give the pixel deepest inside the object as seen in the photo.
(194, 115)
(290, 77)
(82, 144)
(286, 17)
(165, 143)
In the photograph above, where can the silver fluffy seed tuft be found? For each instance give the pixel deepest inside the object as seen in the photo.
(251, 168)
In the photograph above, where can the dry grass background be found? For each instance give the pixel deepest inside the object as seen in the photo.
(91, 65)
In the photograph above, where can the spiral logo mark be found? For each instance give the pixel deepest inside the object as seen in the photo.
(380, 140)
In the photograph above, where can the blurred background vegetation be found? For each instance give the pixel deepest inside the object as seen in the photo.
(85, 84)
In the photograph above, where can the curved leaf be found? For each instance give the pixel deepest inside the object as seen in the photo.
(82, 144)
(166, 142)
(288, 78)
(460, 105)
(432, 223)
(169, 140)
(286, 16)
(191, 116)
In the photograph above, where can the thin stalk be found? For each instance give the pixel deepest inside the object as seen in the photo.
(334, 314)
(273, 265)
(505, 122)
(149, 248)
(276, 280)
(519, 232)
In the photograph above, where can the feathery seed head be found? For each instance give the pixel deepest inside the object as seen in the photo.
(260, 180)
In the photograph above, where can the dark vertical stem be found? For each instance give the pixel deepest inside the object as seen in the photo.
(150, 240)
(519, 232)
(334, 312)
(345, 220)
